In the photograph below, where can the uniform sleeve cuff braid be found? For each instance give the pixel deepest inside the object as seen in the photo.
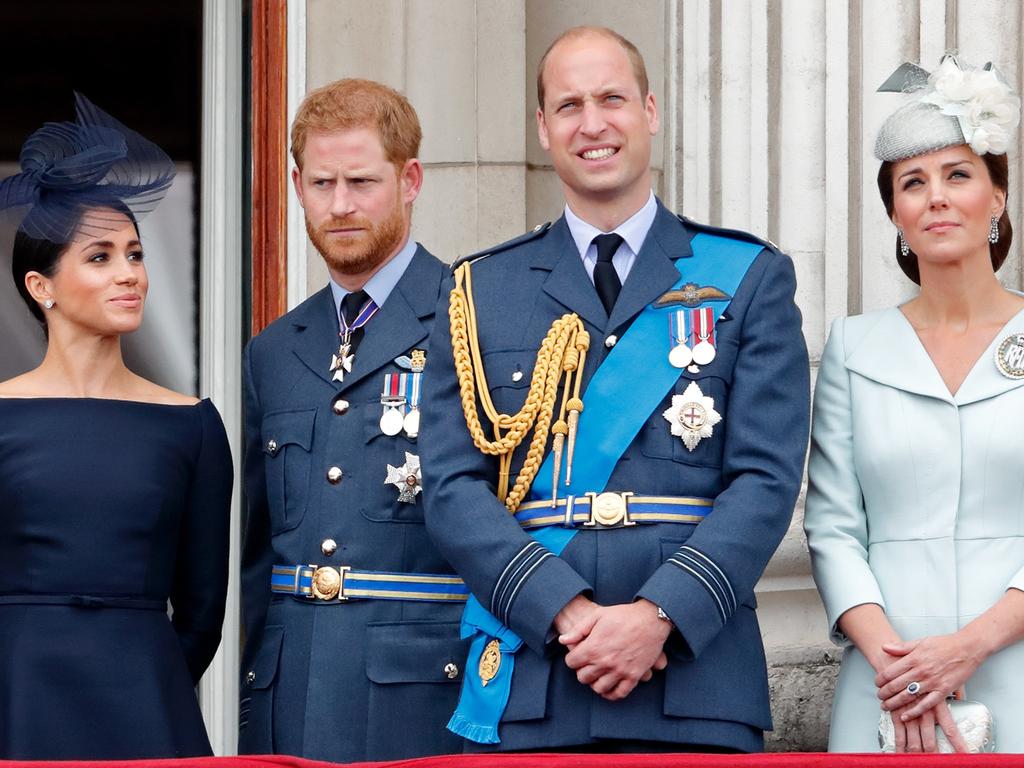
(701, 567)
(511, 580)
(697, 604)
(547, 586)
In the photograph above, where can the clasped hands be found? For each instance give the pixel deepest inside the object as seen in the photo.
(612, 648)
(940, 665)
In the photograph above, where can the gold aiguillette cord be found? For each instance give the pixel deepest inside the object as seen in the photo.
(564, 350)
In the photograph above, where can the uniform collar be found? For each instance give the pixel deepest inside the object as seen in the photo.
(654, 271)
(401, 324)
(633, 230)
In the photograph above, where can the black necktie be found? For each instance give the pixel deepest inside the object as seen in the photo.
(606, 279)
(350, 307)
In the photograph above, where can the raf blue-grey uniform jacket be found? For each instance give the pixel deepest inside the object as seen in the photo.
(715, 688)
(364, 679)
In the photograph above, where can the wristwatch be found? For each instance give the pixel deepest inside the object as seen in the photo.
(664, 616)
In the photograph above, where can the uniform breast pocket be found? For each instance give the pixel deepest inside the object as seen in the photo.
(391, 465)
(287, 442)
(689, 425)
(509, 373)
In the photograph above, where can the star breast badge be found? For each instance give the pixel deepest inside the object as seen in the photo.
(692, 416)
(406, 478)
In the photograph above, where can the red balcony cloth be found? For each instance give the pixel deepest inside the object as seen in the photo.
(765, 760)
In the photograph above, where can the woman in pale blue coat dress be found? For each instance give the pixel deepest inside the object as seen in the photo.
(915, 511)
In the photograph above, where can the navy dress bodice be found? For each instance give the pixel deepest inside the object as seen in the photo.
(114, 533)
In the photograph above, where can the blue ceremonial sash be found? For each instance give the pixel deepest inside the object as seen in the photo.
(606, 430)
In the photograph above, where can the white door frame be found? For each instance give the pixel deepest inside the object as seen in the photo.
(220, 316)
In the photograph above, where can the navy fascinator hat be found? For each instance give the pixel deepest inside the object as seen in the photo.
(92, 163)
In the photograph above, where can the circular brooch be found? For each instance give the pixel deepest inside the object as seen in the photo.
(1010, 356)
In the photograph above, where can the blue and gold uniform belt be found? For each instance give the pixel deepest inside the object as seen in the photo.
(341, 583)
(613, 510)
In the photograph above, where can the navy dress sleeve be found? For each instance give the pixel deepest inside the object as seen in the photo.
(199, 590)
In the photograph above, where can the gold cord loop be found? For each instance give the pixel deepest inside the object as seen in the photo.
(564, 350)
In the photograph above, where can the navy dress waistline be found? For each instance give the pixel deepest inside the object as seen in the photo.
(87, 601)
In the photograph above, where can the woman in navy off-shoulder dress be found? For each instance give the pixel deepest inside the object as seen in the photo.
(114, 492)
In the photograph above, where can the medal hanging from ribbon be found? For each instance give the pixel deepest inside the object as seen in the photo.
(680, 355)
(411, 424)
(392, 398)
(691, 337)
(400, 399)
(702, 325)
(342, 362)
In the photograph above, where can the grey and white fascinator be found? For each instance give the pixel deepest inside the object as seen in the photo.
(92, 164)
(953, 105)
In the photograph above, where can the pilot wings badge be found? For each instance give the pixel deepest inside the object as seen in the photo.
(691, 295)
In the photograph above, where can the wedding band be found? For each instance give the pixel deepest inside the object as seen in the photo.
(914, 688)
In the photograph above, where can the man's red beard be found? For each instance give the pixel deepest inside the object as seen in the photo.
(364, 252)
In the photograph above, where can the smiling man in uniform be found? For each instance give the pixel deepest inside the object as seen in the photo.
(613, 565)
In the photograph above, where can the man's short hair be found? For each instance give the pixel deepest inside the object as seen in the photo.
(635, 59)
(354, 103)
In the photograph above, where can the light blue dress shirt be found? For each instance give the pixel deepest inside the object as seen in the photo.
(633, 231)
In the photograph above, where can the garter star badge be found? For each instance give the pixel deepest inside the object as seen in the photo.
(1010, 356)
(406, 478)
(692, 416)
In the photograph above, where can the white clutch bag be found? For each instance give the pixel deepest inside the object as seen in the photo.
(972, 718)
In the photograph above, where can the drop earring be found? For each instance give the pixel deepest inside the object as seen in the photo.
(904, 248)
(993, 231)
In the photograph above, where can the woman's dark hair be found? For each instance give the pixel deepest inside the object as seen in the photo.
(998, 171)
(32, 254)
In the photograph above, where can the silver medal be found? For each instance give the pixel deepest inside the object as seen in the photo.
(412, 422)
(391, 421)
(680, 356)
(703, 352)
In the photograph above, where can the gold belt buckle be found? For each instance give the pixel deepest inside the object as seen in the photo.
(609, 509)
(329, 582)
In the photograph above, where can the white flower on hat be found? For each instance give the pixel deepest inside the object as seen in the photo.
(983, 103)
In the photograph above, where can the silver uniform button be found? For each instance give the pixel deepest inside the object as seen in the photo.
(250, 677)
(517, 376)
(340, 407)
(611, 341)
(271, 446)
(451, 670)
(328, 546)
(334, 475)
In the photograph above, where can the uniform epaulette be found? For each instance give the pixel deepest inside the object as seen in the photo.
(537, 231)
(738, 234)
